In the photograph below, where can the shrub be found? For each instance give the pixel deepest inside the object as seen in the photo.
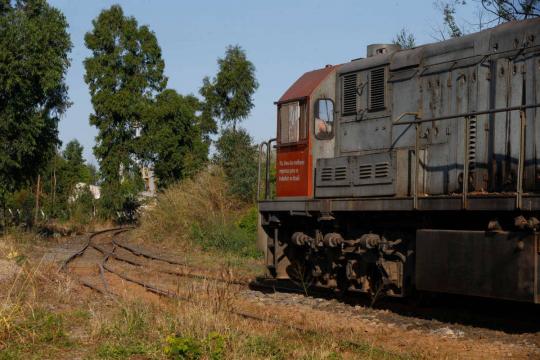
(189, 348)
(201, 211)
(119, 201)
(226, 237)
(82, 207)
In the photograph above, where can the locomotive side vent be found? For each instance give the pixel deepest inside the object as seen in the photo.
(340, 173)
(365, 171)
(349, 94)
(472, 144)
(382, 170)
(327, 174)
(376, 90)
(356, 175)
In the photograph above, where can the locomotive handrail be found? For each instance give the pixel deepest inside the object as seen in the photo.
(467, 116)
(268, 145)
(261, 145)
(419, 120)
(268, 158)
(402, 115)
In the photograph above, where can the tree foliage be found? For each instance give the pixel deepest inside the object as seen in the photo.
(172, 139)
(60, 178)
(34, 47)
(238, 157)
(405, 39)
(489, 13)
(510, 10)
(124, 73)
(450, 27)
(60, 196)
(229, 95)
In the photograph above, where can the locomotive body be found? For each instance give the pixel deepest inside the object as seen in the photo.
(413, 169)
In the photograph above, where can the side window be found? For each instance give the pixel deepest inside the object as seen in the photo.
(289, 123)
(324, 119)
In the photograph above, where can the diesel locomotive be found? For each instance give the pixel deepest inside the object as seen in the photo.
(412, 170)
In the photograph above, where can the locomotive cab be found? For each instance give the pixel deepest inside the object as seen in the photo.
(305, 132)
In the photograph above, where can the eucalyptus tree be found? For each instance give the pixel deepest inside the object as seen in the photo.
(229, 95)
(124, 74)
(172, 140)
(34, 48)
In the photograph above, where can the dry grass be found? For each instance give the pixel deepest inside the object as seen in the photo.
(46, 316)
(200, 200)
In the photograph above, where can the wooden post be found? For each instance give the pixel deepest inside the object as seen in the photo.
(54, 187)
(37, 198)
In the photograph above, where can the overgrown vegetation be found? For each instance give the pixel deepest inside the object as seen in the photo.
(201, 211)
(85, 325)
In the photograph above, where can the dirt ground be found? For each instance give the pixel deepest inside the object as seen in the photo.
(447, 328)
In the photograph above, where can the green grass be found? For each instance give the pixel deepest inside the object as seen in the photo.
(123, 351)
(226, 237)
(40, 334)
(265, 347)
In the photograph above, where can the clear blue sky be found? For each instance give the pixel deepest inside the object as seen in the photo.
(282, 38)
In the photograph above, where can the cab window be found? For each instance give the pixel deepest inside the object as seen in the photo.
(290, 122)
(324, 119)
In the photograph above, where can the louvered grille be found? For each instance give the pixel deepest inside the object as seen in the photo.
(472, 144)
(340, 173)
(326, 174)
(376, 90)
(349, 94)
(365, 171)
(382, 169)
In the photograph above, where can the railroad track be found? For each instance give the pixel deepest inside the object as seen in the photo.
(104, 266)
(106, 245)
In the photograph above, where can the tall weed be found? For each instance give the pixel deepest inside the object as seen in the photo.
(201, 211)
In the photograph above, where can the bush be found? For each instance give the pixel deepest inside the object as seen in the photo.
(81, 209)
(227, 237)
(119, 201)
(201, 211)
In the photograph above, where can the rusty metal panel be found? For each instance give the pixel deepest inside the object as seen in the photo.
(481, 92)
(404, 135)
(516, 73)
(306, 84)
(497, 265)
(366, 135)
(532, 140)
(500, 78)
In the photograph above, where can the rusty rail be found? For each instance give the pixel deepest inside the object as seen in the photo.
(467, 117)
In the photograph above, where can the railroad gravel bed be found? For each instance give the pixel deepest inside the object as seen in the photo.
(384, 318)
